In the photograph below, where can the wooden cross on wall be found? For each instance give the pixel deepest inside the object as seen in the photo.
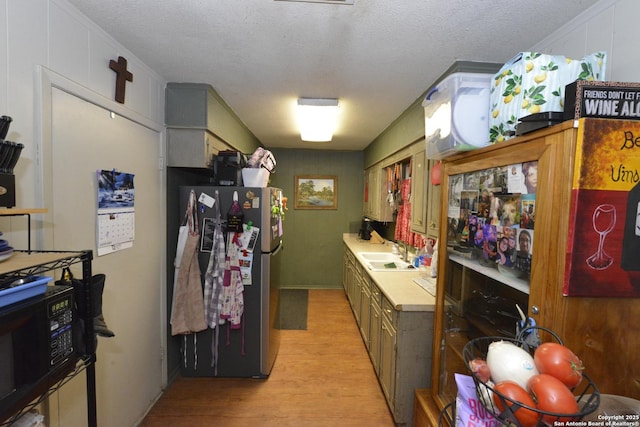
(122, 77)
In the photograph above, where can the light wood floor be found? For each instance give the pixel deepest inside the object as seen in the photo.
(322, 377)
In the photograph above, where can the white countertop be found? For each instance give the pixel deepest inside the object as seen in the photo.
(398, 286)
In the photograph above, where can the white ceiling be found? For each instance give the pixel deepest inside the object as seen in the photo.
(376, 56)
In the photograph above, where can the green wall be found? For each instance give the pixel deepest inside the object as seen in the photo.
(405, 130)
(313, 248)
(313, 238)
(409, 126)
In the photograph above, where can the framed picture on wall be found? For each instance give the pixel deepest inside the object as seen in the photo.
(316, 192)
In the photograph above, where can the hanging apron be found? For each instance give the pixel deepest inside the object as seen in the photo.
(232, 288)
(232, 297)
(183, 233)
(187, 316)
(213, 283)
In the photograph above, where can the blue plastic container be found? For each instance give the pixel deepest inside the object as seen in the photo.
(22, 292)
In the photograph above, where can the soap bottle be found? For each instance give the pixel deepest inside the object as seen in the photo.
(434, 261)
(424, 259)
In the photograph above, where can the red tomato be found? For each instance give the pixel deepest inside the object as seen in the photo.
(551, 395)
(481, 370)
(558, 361)
(511, 390)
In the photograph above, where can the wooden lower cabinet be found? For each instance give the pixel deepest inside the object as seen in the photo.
(348, 275)
(375, 326)
(399, 342)
(387, 372)
(365, 310)
(357, 293)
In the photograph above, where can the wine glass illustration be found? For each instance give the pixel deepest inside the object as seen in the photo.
(604, 219)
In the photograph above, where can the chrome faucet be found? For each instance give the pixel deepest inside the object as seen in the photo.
(405, 251)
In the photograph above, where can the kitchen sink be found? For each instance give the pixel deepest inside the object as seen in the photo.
(379, 256)
(395, 265)
(385, 261)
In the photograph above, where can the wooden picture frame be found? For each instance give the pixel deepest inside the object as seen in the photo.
(316, 192)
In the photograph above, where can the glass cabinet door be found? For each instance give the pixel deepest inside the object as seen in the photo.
(489, 246)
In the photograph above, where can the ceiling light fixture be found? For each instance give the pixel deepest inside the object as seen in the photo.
(317, 118)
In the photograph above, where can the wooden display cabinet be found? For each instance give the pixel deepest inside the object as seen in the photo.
(603, 331)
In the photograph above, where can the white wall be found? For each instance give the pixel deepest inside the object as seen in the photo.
(610, 26)
(53, 35)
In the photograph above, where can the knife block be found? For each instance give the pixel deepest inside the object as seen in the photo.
(7, 190)
(375, 237)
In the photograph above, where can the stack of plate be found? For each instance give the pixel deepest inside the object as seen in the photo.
(6, 251)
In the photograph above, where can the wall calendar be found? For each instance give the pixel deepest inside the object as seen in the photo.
(116, 212)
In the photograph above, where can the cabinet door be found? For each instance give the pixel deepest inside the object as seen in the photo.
(375, 328)
(419, 189)
(374, 191)
(387, 372)
(194, 148)
(345, 270)
(365, 312)
(433, 203)
(376, 206)
(350, 277)
(357, 293)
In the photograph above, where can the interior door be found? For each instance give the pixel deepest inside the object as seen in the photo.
(86, 138)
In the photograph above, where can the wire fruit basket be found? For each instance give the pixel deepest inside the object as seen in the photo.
(447, 417)
(586, 393)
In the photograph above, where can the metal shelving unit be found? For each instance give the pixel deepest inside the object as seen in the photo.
(30, 262)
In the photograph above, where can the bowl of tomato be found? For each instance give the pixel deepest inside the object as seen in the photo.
(528, 385)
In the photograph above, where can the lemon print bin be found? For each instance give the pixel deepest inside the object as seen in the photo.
(532, 83)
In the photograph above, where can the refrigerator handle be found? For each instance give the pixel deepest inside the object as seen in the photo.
(278, 249)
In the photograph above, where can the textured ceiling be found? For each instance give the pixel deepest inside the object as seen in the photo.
(376, 56)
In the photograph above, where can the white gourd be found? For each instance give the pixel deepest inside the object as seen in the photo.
(508, 362)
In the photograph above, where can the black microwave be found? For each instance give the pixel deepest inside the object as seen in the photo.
(36, 344)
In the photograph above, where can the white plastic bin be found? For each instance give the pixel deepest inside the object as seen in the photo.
(456, 112)
(255, 177)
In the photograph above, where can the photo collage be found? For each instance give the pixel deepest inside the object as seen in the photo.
(492, 212)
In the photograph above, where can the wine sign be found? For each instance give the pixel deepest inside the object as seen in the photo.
(603, 257)
(615, 100)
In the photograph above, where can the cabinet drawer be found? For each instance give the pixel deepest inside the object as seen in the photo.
(360, 269)
(388, 311)
(366, 283)
(376, 295)
(350, 256)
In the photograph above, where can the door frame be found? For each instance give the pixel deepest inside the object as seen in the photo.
(46, 81)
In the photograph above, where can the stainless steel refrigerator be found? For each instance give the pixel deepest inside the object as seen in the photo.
(251, 349)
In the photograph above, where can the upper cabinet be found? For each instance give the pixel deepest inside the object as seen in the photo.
(419, 192)
(376, 195)
(193, 148)
(200, 124)
(382, 188)
(481, 278)
(425, 196)
(433, 198)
